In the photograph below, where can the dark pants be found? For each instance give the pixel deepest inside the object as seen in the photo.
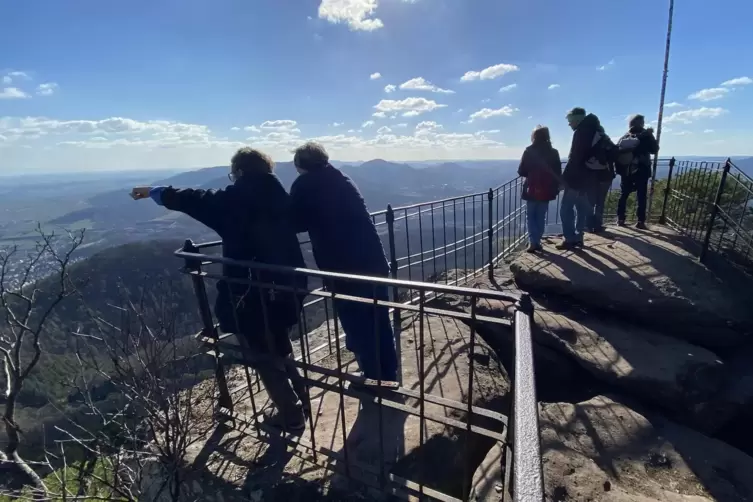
(284, 385)
(597, 196)
(628, 185)
(368, 330)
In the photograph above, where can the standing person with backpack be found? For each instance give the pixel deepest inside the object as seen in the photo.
(542, 169)
(603, 174)
(633, 164)
(589, 155)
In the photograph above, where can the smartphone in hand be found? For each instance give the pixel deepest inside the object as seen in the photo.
(139, 193)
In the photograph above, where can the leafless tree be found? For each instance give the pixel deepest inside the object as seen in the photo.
(25, 314)
(134, 444)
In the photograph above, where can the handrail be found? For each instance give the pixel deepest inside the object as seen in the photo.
(384, 281)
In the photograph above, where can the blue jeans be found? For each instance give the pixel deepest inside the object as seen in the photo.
(536, 220)
(368, 330)
(575, 210)
(597, 197)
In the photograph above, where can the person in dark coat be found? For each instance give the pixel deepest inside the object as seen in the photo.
(542, 169)
(579, 175)
(635, 173)
(253, 218)
(328, 205)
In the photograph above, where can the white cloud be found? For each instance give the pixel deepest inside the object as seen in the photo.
(235, 128)
(604, 67)
(355, 13)
(508, 88)
(19, 74)
(489, 73)
(368, 123)
(383, 130)
(279, 125)
(485, 113)
(375, 76)
(708, 131)
(428, 125)
(252, 128)
(709, 94)
(553, 86)
(485, 100)
(488, 131)
(682, 133)
(421, 84)
(389, 88)
(13, 93)
(7, 80)
(673, 104)
(47, 89)
(337, 124)
(690, 116)
(402, 125)
(410, 107)
(738, 81)
(379, 115)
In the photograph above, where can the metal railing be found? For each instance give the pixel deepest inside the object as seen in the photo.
(432, 248)
(711, 202)
(470, 414)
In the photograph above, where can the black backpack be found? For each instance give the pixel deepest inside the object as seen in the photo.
(603, 152)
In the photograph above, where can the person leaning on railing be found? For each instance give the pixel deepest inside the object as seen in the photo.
(252, 216)
(328, 205)
(542, 169)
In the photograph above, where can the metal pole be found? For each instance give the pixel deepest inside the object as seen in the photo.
(714, 211)
(663, 217)
(390, 216)
(491, 235)
(661, 103)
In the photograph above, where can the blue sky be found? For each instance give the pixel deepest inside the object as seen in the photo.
(182, 83)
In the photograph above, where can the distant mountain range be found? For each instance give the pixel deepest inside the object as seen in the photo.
(381, 183)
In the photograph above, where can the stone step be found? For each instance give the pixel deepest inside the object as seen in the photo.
(646, 277)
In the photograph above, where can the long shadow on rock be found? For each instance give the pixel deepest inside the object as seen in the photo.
(641, 279)
(558, 378)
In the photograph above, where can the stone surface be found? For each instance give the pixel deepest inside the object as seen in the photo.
(603, 450)
(655, 368)
(644, 276)
(439, 463)
(488, 482)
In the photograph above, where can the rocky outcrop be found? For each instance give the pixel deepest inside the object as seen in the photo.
(644, 277)
(602, 450)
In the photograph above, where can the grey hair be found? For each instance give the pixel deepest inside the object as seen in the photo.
(309, 156)
(636, 120)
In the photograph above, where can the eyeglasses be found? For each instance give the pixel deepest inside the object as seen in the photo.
(231, 177)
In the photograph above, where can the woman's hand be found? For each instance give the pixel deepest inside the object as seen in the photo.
(139, 193)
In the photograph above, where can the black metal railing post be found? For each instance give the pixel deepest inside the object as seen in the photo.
(194, 265)
(390, 217)
(714, 211)
(663, 216)
(490, 196)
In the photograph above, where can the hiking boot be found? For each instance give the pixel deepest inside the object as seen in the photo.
(533, 248)
(599, 230)
(566, 246)
(621, 223)
(294, 425)
(641, 226)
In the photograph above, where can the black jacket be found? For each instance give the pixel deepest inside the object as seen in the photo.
(538, 157)
(648, 146)
(253, 218)
(576, 174)
(328, 205)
